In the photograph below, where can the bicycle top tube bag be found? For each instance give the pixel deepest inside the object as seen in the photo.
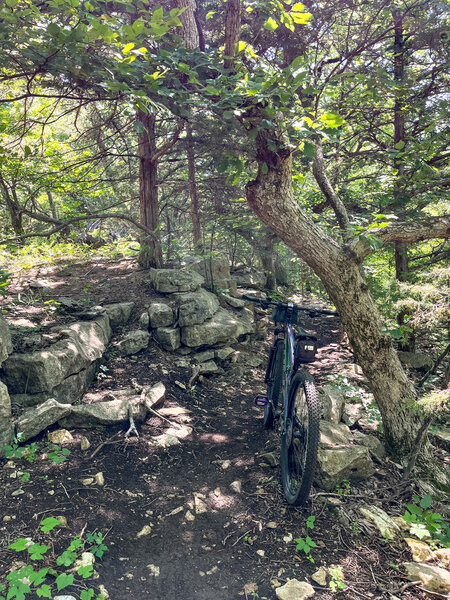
(305, 349)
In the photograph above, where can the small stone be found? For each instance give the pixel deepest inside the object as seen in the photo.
(154, 570)
(443, 555)
(275, 583)
(87, 481)
(10, 465)
(17, 492)
(180, 385)
(236, 486)
(85, 443)
(62, 520)
(99, 479)
(434, 579)
(144, 321)
(87, 559)
(270, 458)
(288, 538)
(272, 525)
(64, 598)
(382, 521)
(189, 516)
(260, 552)
(51, 492)
(6, 519)
(295, 590)
(225, 464)
(60, 436)
(419, 550)
(146, 530)
(103, 591)
(320, 576)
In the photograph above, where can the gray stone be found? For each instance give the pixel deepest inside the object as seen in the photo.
(106, 413)
(196, 307)
(210, 368)
(248, 278)
(144, 321)
(433, 578)
(169, 281)
(247, 358)
(333, 402)
(371, 442)
(168, 337)
(161, 315)
(119, 313)
(224, 353)
(213, 269)
(353, 413)
(233, 302)
(201, 357)
(342, 462)
(6, 427)
(295, 590)
(334, 434)
(228, 286)
(416, 360)
(82, 343)
(382, 521)
(132, 343)
(441, 438)
(35, 420)
(222, 327)
(5, 340)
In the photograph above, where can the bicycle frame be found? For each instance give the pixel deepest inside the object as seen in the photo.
(289, 350)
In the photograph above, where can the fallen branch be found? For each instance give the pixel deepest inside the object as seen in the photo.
(132, 427)
(100, 446)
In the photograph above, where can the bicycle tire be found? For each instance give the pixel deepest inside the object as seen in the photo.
(300, 441)
(274, 383)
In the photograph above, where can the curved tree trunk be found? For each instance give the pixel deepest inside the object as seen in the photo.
(271, 197)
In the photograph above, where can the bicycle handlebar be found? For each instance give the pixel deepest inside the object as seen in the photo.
(266, 302)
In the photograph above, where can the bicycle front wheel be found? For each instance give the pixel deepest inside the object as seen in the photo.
(300, 441)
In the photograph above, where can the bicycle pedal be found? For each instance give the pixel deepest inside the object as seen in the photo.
(261, 400)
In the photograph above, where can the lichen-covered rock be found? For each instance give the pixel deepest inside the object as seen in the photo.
(82, 343)
(222, 327)
(334, 434)
(435, 579)
(168, 337)
(169, 281)
(371, 442)
(196, 307)
(295, 590)
(333, 402)
(248, 278)
(233, 302)
(106, 413)
(213, 268)
(334, 464)
(382, 521)
(133, 342)
(119, 313)
(161, 315)
(35, 420)
(6, 428)
(5, 340)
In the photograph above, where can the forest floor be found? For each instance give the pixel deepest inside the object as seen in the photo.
(205, 519)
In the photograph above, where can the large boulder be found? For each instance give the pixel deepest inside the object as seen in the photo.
(333, 402)
(416, 360)
(35, 420)
(6, 428)
(119, 313)
(168, 337)
(82, 343)
(5, 340)
(213, 269)
(132, 343)
(334, 464)
(222, 327)
(170, 281)
(106, 413)
(196, 307)
(161, 315)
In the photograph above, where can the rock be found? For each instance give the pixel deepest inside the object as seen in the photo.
(210, 368)
(419, 550)
(169, 281)
(196, 307)
(295, 590)
(99, 478)
(270, 458)
(204, 356)
(60, 436)
(222, 327)
(64, 598)
(103, 591)
(233, 302)
(354, 413)
(416, 360)
(213, 269)
(371, 442)
(168, 337)
(144, 321)
(236, 486)
(160, 314)
(35, 420)
(342, 462)
(443, 555)
(82, 343)
(247, 358)
(334, 434)
(249, 278)
(87, 559)
(434, 579)
(320, 576)
(441, 438)
(155, 395)
(224, 353)
(6, 426)
(133, 342)
(382, 521)
(85, 443)
(105, 413)
(333, 402)
(119, 313)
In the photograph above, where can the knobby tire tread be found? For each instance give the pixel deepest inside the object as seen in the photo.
(300, 494)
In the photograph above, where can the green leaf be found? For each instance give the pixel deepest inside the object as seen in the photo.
(49, 524)
(66, 559)
(332, 119)
(309, 149)
(86, 571)
(52, 29)
(45, 591)
(270, 24)
(228, 114)
(264, 168)
(158, 14)
(426, 501)
(400, 145)
(210, 14)
(20, 545)
(11, 3)
(63, 580)
(37, 551)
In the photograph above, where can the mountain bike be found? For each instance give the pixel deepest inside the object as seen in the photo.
(291, 397)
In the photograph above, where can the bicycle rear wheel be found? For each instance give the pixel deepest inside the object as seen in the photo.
(300, 442)
(274, 383)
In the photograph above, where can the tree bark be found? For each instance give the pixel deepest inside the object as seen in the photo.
(232, 30)
(189, 23)
(271, 197)
(13, 207)
(195, 216)
(150, 253)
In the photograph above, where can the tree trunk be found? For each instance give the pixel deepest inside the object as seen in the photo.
(13, 206)
(150, 253)
(189, 24)
(232, 30)
(271, 197)
(196, 227)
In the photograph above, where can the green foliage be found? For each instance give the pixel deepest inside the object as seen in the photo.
(5, 280)
(306, 544)
(337, 579)
(425, 523)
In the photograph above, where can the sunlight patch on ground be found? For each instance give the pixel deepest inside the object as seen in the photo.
(216, 438)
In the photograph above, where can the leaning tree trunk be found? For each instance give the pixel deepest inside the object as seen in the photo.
(271, 197)
(13, 206)
(150, 252)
